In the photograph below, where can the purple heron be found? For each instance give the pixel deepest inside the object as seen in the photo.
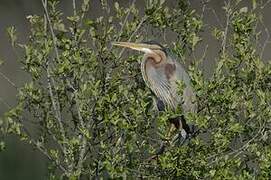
(161, 73)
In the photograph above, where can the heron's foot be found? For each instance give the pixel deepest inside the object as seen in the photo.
(194, 131)
(180, 138)
(160, 151)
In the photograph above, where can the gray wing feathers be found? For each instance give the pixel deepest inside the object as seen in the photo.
(188, 98)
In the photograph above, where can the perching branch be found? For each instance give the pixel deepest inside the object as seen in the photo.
(44, 3)
(224, 41)
(134, 33)
(8, 80)
(54, 99)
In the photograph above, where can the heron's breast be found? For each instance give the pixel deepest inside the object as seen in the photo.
(158, 79)
(169, 70)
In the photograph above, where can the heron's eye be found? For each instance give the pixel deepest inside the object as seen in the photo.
(152, 60)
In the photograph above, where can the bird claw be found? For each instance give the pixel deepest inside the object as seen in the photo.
(180, 138)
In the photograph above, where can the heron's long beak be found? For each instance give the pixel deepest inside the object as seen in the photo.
(136, 46)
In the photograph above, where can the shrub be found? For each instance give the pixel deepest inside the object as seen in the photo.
(94, 117)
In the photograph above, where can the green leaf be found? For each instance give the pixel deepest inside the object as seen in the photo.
(116, 5)
(243, 10)
(12, 35)
(73, 19)
(1, 62)
(2, 146)
(60, 27)
(254, 4)
(85, 5)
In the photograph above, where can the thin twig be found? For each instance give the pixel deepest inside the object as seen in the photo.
(8, 80)
(237, 151)
(203, 8)
(40, 148)
(44, 3)
(5, 103)
(216, 17)
(54, 100)
(54, 104)
(266, 40)
(224, 42)
(125, 20)
(74, 7)
(43, 151)
(83, 146)
(134, 33)
(265, 4)
(83, 14)
(51, 92)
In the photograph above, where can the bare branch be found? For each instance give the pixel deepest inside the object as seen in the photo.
(134, 33)
(239, 150)
(266, 40)
(56, 107)
(217, 18)
(54, 99)
(265, 4)
(41, 148)
(224, 41)
(74, 7)
(83, 146)
(5, 103)
(8, 80)
(44, 3)
(203, 8)
(44, 152)
(125, 20)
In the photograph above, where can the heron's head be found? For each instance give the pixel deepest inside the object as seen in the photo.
(151, 49)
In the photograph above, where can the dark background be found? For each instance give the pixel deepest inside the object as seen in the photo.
(21, 162)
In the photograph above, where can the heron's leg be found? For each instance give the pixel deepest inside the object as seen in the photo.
(166, 142)
(183, 132)
(183, 129)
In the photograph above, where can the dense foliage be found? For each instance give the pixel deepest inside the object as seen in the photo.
(88, 110)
